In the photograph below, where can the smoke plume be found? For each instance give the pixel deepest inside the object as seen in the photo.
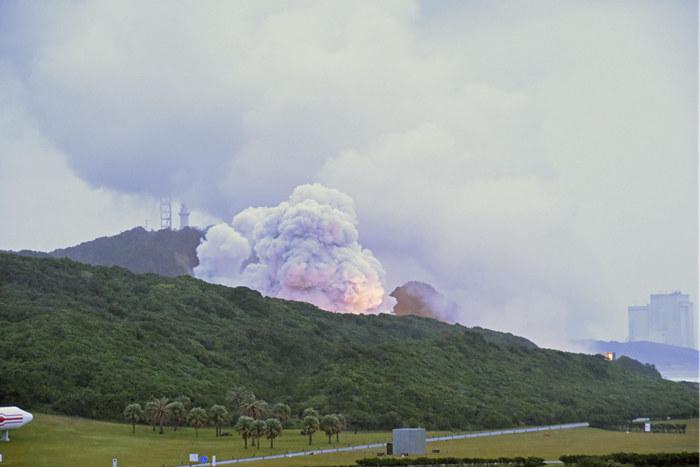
(304, 249)
(421, 299)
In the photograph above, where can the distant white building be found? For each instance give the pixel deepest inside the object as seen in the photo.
(667, 319)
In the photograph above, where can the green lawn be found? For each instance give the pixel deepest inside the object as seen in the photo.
(62, 441)
(548, 445)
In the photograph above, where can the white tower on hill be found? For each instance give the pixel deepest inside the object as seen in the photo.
(184, 216)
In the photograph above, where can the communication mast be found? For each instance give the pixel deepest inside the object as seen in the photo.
(166, 214)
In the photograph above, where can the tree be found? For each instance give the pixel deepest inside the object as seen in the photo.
(330, 424)
(244, 427)
(237, 397)
(281, 412)
(310, 425)
(198, 418)
(273, 428)
(186, 401)
(309, 412)
(132, 414)
(256, 408)
(342, 425)
(150, 413)
(258, 432)
(158, 410)
(177, 413)
(218, 413)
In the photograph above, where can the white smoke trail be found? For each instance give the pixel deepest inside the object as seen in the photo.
(304, 249)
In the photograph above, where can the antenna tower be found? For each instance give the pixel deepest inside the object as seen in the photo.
(166, 214)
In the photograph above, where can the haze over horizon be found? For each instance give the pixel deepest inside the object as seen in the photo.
(536, 163)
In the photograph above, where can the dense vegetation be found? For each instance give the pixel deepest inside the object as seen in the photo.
(641, 460)
(452, 461)
(611, 460)
(164, 252)
(85, 340)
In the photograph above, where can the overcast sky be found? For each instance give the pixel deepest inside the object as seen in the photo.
(535, 161)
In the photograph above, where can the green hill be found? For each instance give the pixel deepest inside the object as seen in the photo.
(85, 340)
(164, 252)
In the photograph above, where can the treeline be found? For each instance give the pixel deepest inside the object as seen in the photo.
(453, 461)
(608, 460)
(638, 460)
(250, 417)
(639, 427)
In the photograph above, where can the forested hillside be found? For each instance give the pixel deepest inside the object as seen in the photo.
(85, 340)
(164, 252)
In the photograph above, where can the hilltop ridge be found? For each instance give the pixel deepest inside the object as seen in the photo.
(164, 252)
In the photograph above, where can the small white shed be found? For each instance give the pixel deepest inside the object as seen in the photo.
(408, 441)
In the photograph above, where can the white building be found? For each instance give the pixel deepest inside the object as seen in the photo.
(184, 216)
(667, 319)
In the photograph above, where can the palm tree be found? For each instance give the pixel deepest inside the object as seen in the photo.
(237, 397)
(198, 418)
(273, 428)
(329, 424)
(281, 412)
(157, 411)
(177, 413)
(258, 432)
(186, 401)
(309, 412)
(256, 408)
(310, 426)
(342, 425)
(244, 426)
(218, 413)
(150, 413)
(132, 414)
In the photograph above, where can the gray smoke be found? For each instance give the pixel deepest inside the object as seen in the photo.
(421, 299)
(304, 249)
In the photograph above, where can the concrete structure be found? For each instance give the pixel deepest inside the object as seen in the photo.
(408, 441)
(609, 356)
(184, 216)
(667, 319)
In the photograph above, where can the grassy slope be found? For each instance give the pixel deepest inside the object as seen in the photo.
(86, 340)
(62, 441)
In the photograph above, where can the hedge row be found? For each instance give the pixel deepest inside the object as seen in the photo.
(452, 461)
(640, 460)
(655, 427)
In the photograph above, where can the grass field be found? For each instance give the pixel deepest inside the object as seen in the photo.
(62, 442)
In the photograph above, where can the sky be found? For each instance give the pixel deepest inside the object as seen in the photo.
(536, 162)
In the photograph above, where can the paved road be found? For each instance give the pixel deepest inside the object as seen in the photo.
(565, 426)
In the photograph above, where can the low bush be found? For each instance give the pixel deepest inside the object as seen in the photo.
(452, 461)
(640, 460)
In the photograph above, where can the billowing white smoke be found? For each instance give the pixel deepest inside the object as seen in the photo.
(303, 249)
